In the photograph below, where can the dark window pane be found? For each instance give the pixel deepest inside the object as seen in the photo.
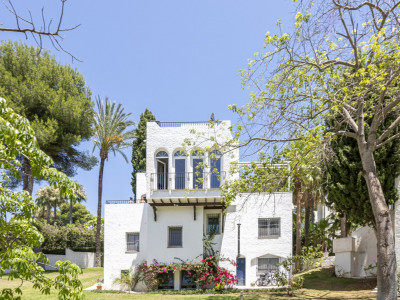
(166, 281)
(215, 168)
(269, 227)
(175, 237)
(132, 242)
(268, 264)
(187, 280)
(213, 223)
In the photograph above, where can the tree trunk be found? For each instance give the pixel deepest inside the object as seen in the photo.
(98, 228)
(27, 177)
(312, 201)
(70, 211)
(55, 212)
(298, 220)
(343, 229)
(386, 271)
(307, 217)
(48, 211)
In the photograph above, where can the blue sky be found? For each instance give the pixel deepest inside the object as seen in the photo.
(180, 59)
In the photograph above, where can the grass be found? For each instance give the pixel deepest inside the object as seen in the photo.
(318, 284)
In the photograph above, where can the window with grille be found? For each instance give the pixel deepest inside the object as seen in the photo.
(269, 227)
(268, 264)
(213, 223)
(132, 242)
(174, 236)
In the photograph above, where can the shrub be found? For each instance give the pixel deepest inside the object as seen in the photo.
(130, 279)
(75, 237)
(206, 273)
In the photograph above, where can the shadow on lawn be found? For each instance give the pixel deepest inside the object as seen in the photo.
(325, 279)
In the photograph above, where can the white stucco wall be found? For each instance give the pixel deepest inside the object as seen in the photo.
(83, 259)
(123, 218)
(171, 140)
(246, 210)
(356, 253)
(140, 185)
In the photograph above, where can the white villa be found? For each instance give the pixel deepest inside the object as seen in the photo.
(175, 210)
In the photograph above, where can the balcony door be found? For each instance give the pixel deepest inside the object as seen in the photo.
(197, 173)
(162, 170)
(215, 169)
(180, 170)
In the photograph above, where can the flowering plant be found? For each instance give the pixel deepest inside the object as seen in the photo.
(204, 273)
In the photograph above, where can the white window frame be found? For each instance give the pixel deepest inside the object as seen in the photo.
(127, 243)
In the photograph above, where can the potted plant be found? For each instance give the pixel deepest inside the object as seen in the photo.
(99, 284)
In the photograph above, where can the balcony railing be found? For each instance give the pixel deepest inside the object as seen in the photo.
(188, 180)
(182, 124)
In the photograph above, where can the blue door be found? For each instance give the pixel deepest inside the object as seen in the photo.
(215, 173)
(197, 173)
(180, 174)
(241, 270)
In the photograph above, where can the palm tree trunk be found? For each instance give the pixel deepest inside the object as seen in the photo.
(70, 211)
(298, 220)
(48, 212)
(306, 202)
(98, 227)
(27, 177)
(55, 212)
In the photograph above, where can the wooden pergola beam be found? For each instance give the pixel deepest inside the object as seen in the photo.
(155, 212)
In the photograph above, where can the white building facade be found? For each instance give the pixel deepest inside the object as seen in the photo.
(181, 203)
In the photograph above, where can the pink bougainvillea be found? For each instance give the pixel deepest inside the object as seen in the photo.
(206, 273)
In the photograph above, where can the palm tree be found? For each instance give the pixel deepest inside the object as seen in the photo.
(111, 134)
(49, 197)
(78, 196)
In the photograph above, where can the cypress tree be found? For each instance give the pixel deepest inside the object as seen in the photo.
(345, 186)
(139, 147)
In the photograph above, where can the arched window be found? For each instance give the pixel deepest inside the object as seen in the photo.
(162, 154)
(180, 170)
(162, 170)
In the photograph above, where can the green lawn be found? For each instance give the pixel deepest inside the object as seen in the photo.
(319, 284)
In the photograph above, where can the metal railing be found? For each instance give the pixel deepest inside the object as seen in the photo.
(181, 124)
(188, 180)
(122, 201)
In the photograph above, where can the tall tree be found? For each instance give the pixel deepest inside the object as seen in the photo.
(112, 133)
(55, 99)
(18, 234)
(342, 61)
(80, 215)
(139, 147)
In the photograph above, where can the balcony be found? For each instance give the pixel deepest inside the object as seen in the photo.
(187, 180)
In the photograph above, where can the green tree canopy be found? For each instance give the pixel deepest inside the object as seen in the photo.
(54, 98)
(80, 215)
(18, 236)
(139, 147)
